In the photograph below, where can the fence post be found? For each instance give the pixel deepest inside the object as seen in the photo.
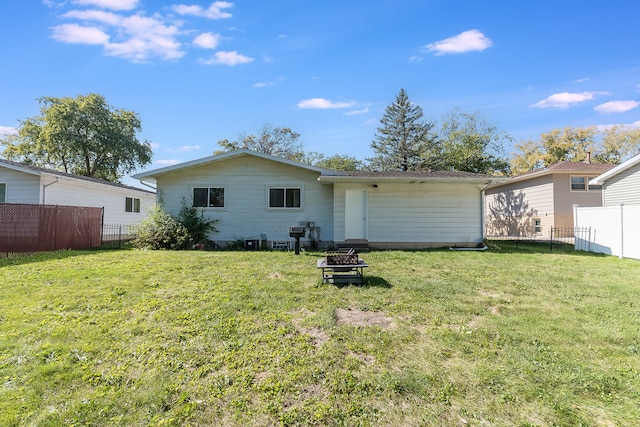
(551, 240)
(621, 230)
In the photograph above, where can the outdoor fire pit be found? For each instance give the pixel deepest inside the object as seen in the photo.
(342, 267)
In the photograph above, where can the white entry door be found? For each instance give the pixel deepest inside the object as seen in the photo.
(355, 211)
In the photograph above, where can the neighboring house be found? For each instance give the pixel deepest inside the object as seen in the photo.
(123, 204)
(532, 203)
(256, 196)
(614, 227)
(620, 184)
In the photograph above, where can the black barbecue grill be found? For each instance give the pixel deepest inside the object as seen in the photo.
(297, 231)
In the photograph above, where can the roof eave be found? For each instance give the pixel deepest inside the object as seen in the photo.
(600, 179)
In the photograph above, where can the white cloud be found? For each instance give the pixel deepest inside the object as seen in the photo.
(416, 58)
(207, 40)
(227, 58)
(565, 99)
(357, 112)
(6, 130)
(324, 104)
(269, 84)
(74, 33)
(109, 4)
(472, 40)
(628, 126)
(580, 80)
(614, 107)
(139, 37)
(212, 12)
(184, 148)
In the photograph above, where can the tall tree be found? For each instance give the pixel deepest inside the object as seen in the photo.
(470, 143)
(276, 141)
(613, 145)
(403, 142)
(82, 135)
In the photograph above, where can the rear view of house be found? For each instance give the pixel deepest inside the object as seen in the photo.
(257, 197)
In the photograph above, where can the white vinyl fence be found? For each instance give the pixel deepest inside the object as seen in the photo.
(615, 230)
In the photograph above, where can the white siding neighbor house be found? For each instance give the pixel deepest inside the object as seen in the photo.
(615, 229)
(532, 203)
(123, 204)
(258, 197)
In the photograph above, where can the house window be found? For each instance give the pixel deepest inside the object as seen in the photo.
(581, 183)
(208, 197)
(578, 183)
(537, 226)
(132, 204)
(288, 198)
(3, 193)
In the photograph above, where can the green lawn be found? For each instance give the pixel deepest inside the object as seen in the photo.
(496, 338)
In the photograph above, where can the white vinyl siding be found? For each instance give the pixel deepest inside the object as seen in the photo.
(417, 213)
(247, 180)
(623, 188)
(20, 187)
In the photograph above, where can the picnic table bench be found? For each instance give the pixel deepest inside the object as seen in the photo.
(342, 267)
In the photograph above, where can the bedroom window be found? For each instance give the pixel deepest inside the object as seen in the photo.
(208, 197)
(3, 193)
(287, 198)
(132, 204)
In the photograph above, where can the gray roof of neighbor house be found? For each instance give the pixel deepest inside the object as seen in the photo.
(600, 179)
(37, 170)
(561, 167)
(324, 175)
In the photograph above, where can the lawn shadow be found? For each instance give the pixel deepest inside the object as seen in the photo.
(367, 282)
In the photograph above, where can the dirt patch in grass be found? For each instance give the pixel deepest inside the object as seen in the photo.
(363, 318)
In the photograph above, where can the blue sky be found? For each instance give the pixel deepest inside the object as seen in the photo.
(198, 71)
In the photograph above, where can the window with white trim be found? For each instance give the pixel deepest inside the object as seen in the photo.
(3, 193)
(132, 205)
(537, 226)
(285, 197)
(208, 197)
(581, 183)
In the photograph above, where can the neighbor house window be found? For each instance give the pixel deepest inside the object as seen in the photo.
(208, 197)
(537, 225)
(578, 183)
(3, 193)
(581, 183)
(132, 204)
(288, 198)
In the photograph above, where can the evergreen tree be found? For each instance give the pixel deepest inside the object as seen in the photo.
(404, 142)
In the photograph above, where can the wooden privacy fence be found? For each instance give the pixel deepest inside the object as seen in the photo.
(36, 228)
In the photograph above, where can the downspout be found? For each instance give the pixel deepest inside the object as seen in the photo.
(44, 189)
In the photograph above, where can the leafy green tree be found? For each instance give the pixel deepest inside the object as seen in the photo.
(613, 145)
(82, 135)
(468, 142)
(404, 141)
(618, 144)
(276, 141)
(339, 162)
